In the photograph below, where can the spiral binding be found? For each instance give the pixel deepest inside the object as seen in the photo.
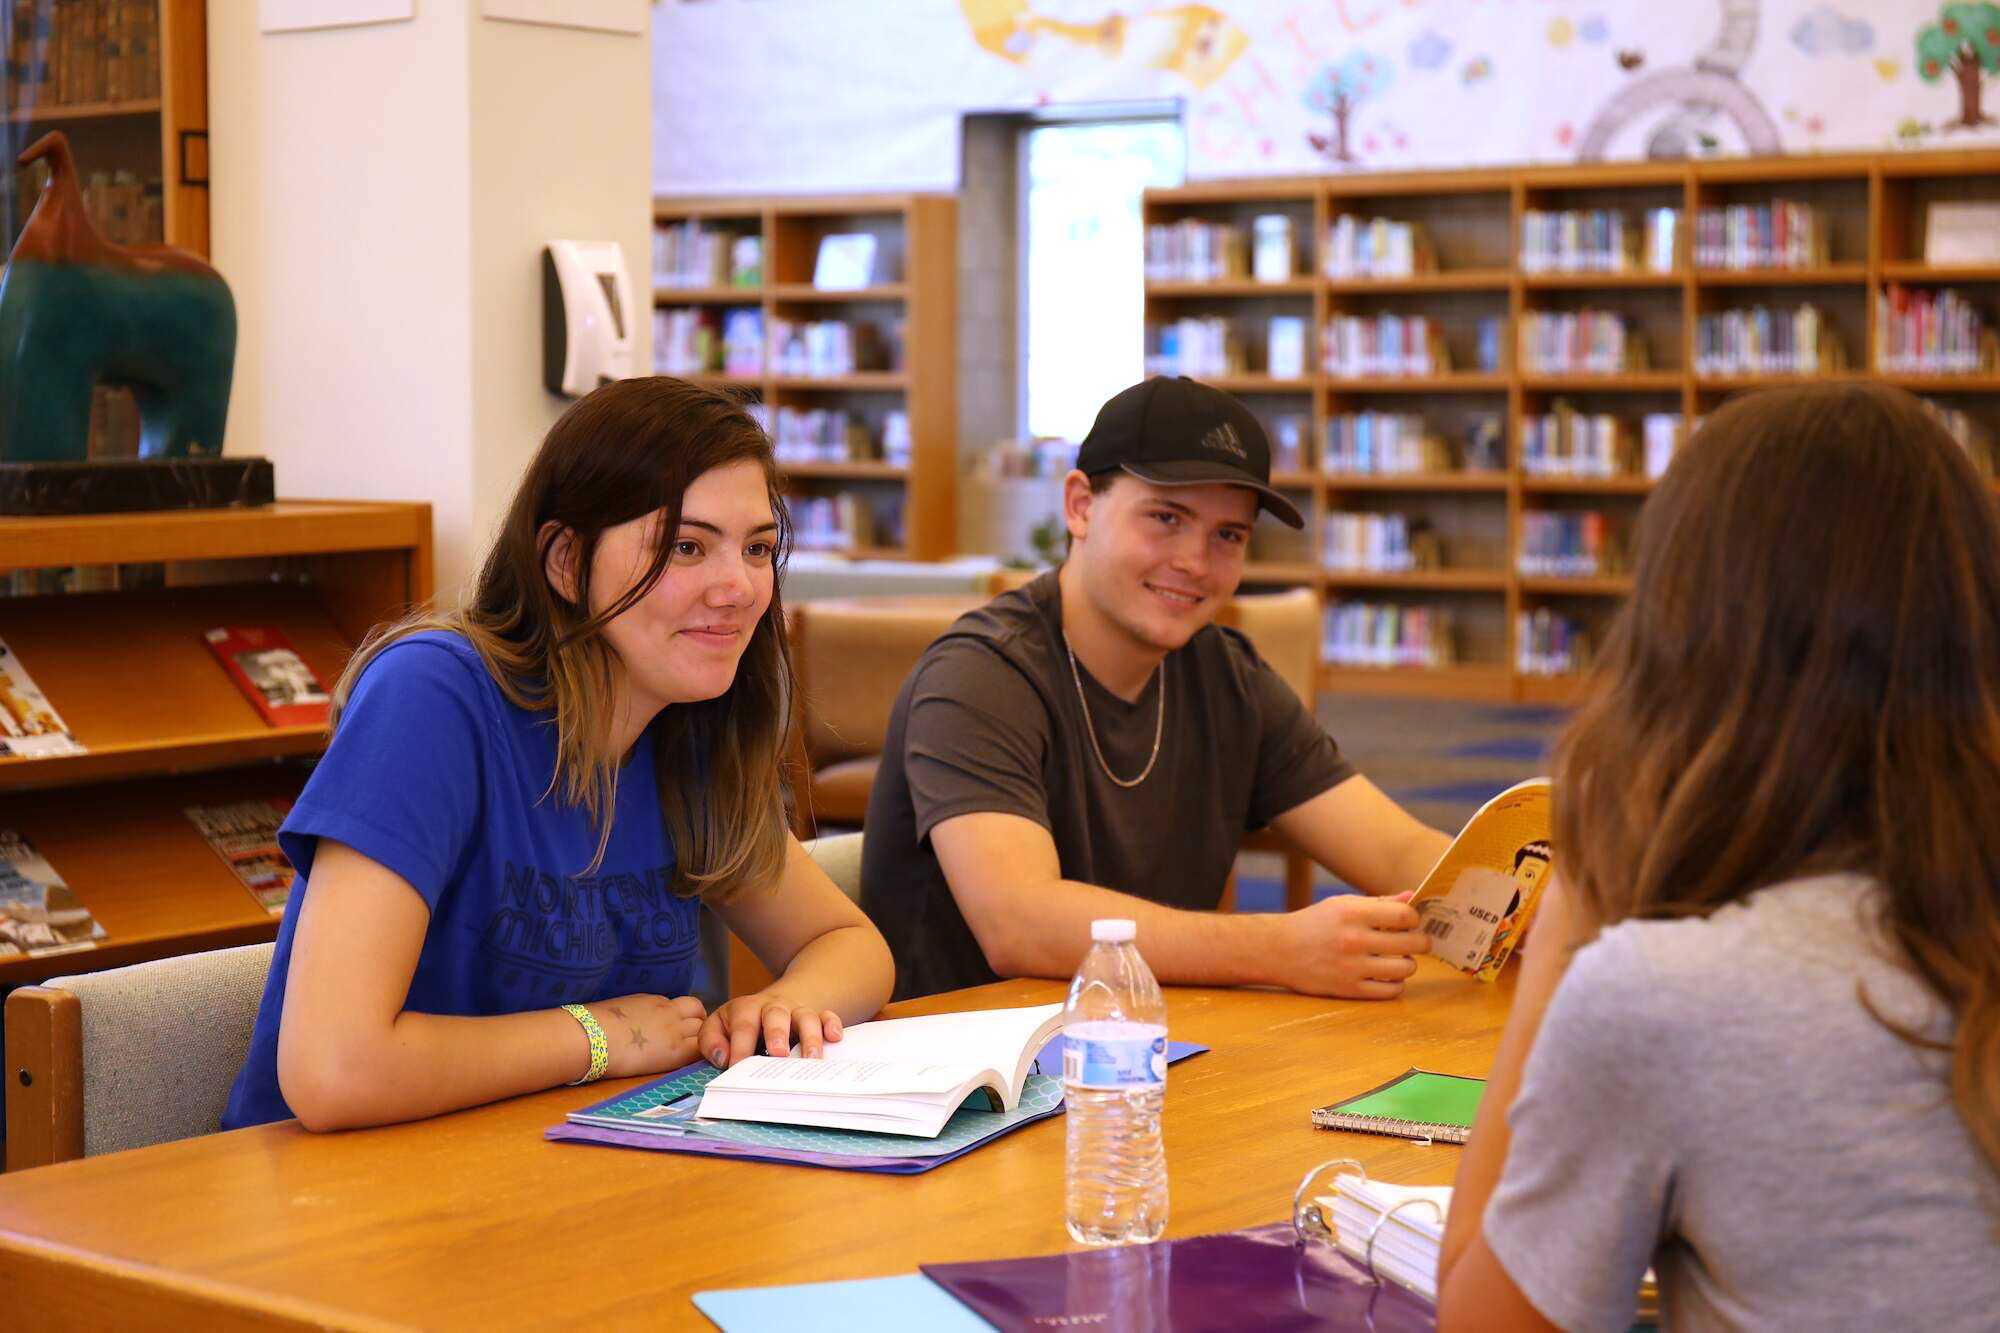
(1420, 1131)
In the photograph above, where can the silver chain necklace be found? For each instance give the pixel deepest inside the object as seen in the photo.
(1090, 729)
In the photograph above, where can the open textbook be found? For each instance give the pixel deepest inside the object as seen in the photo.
(894, 1076)
(1479, 898)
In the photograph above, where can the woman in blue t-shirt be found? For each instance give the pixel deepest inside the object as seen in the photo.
(502, 855)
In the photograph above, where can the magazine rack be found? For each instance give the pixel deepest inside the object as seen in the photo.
(162, 724)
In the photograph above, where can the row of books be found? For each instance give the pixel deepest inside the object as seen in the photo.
(841, 522)
(835, 435)
(1548, 643)
(1599, 240)
(1384, 345)
(1375, 248)
(72, 52)
(1780, 234)
(62, 580)
(1568, 545)
(1204, 347)
(126, 209)
(1568, 443)
(1757, 340)
(1580, 342)
(690, 254)
(823, 347)
(699, 340)
(1373, 634)
(1393, 443)
(1932, 333)
(1379, 543)
(1198, 250)
(1289, 432)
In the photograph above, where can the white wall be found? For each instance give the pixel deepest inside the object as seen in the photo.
(380, 199)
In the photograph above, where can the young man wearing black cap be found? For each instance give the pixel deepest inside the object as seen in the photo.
(1092, 745)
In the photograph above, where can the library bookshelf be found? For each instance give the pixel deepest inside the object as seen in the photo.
(145, 116)
(163, 725)
(1873, 207)
(914, 293)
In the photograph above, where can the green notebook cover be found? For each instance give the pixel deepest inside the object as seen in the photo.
(1416, 1104)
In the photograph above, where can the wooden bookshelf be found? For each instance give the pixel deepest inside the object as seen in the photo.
(914, 290)
(1875, 206)
(162, 724)
(160, 137)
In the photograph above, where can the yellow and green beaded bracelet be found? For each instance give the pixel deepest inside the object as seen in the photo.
(600, 1049)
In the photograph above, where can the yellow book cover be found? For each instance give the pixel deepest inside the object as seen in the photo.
(1479, 898)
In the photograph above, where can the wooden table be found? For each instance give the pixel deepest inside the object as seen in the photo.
(474, 1220)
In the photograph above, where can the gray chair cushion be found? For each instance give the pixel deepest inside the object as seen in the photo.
(840, 857)
(162, 1042)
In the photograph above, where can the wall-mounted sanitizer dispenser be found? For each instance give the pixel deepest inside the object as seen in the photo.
(586, 316)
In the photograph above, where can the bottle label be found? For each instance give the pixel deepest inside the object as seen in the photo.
(1135, 1058)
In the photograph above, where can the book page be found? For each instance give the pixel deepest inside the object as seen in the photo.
(843, 1078)
(993, 1039)
(1478, 899)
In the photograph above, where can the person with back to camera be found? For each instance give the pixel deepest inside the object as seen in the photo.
(1757, 1044)
(502, 856)
(1093, 745)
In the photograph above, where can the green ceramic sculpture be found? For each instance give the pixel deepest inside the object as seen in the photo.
(77, 310)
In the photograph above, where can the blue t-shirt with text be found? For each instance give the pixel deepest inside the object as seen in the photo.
(435, 775)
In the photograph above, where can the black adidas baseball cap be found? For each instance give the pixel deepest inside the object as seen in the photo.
(1177, 432)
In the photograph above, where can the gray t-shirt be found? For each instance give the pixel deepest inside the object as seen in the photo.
(989, 722)
(1709, 1096)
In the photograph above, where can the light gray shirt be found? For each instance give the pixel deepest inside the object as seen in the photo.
(1711, 1097)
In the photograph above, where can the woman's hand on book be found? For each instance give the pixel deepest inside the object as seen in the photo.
(1353, 947)
(732, 1031)
(650, 1034)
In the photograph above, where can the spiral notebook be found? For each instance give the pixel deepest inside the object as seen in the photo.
(1416, 1104)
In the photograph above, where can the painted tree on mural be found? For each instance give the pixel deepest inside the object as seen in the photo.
(1965, 41)
(1338, 88)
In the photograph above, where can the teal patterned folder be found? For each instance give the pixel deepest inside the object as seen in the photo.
(644, 1109)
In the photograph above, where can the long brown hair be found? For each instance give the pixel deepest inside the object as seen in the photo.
(627, 450)
(1806, 678)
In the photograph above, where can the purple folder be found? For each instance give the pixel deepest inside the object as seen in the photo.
(1263, 1278)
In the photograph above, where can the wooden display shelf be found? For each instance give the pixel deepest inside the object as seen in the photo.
(1449, 382)
(806, 292)
(717, 379)
(675, 296)
(1549, 691)
(1624, 381)
(288, 527)
(1444, 280)
(1616, 585)
(1943, 383)
(1733, 383)
(856, 470)
(1175, 288)
(894, 380)
(1472, 482)
(144, 871)
(1423, 580)
(40, 115)
(1555, 485)
(1560, 282)
(1484, 684)
(1919, 271)
(134, 680)
(1825, 275)
(1257, 383)
(1280, 571)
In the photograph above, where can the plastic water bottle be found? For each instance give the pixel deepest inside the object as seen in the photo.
(1114, 1083)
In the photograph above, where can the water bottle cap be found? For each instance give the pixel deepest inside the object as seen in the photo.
(1114, 930)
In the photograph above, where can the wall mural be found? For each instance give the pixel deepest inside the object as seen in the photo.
(777, 95)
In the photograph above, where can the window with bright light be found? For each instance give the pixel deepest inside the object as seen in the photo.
(1084, 333)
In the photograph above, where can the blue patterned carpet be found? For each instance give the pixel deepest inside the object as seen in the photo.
(1440, 761)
